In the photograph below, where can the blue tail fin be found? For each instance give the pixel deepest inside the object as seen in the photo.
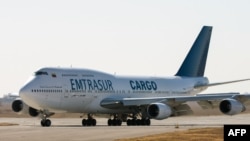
(195, 61)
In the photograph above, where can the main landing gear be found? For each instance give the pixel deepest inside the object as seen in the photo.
(138, 122)
(89, 122)
(115, 121)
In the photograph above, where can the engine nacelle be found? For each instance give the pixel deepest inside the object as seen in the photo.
(21, 108)
(159, 111)
(231, 106)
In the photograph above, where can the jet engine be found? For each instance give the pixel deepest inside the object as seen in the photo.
(20, 107)
(231, 107)
(159, 111)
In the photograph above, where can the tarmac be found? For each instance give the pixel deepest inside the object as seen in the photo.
(70, 129)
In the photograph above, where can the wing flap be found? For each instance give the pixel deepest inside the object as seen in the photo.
(182, 109)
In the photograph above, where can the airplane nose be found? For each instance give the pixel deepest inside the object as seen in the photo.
(27, 96)
(24, 92)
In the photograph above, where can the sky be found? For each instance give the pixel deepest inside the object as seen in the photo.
(123, 37)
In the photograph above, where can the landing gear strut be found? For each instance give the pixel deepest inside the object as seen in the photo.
(89, 122)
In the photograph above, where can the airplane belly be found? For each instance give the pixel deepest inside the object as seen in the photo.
(78, 103)
(86, 104)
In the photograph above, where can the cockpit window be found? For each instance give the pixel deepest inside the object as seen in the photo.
(40, 73)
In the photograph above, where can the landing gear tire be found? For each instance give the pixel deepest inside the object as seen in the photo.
(109, 122)
(89, 122)
(45, 122)
(93, 122)
(114, 122)
(147, 122)
(138, 122)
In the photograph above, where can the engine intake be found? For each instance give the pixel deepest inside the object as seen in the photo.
(20, 107)
(17, 106)
(231, 107)
(159, 111)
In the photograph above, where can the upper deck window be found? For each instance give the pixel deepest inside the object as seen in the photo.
(53, 75)
(40, 73)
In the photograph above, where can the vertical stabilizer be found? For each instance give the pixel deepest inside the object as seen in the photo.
(195, 61)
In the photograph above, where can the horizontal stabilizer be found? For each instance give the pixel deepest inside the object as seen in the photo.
(220, 83)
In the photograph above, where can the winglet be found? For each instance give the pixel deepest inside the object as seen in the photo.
(195, 61)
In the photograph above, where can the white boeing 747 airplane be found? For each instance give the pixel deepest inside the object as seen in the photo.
(134, 100)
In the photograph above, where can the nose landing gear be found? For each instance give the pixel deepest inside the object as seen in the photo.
(45, 122)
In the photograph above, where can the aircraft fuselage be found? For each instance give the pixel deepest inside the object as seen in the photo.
(81, 90)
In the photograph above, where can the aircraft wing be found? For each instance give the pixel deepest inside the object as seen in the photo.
(116, 103)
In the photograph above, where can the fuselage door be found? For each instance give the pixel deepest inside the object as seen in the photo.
(66, 92)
